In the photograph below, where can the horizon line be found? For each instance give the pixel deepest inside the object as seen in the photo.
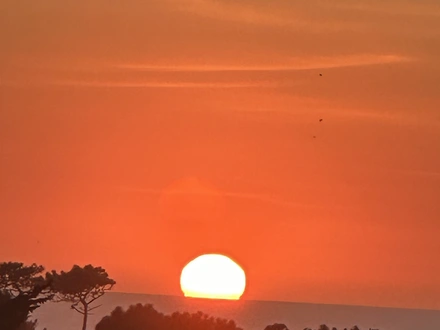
(275, 301)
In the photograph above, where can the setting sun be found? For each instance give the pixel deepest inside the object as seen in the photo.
(213, 276)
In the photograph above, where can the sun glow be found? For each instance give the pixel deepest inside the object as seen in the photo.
(213, 276)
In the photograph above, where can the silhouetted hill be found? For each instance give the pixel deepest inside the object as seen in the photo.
(251, 315)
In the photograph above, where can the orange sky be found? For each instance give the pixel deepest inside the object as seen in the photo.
(136, 135)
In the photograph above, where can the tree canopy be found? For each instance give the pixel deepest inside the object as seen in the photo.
(142, 317)
(276, 326)
(81, 286)
(16, 278)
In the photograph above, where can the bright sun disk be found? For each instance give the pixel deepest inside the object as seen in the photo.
(213, 276)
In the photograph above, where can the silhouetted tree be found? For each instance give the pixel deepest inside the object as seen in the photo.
(355, 328)
(14, 311)
(334, 328)
(16, 278)
(22, 290)
(276, 326)
(323, 327)
(143, 317)
(81, 287)
(28, 325)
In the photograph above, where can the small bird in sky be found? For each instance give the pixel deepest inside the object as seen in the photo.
(320, 74)
(320, 119)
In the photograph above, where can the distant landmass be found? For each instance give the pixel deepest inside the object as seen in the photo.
(249, 314)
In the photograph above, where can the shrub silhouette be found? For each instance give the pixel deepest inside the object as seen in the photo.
(145, 317)
(276, 326)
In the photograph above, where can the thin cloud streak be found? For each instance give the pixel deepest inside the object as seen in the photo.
(128, 84)
(165, 84)
(386, 117)
(284, 64)
(423, 173)
(294, 64)
(238, 195)
(344, 114)
(409, 8)
(256, 14)
(233, 11)
(299, 16)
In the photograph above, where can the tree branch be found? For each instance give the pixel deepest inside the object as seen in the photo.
(95, 297)
(78, 310)
(93, 308)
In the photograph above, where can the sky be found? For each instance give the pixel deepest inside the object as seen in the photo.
(137, 135)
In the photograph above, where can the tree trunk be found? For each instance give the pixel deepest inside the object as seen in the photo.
(85, 315)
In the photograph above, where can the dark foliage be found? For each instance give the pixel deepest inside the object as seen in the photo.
(16, 278)
(145, 317)
(22, 290)
(81, 287)
(325, 327)
(28, 325)
(14, 311)
(276, 326)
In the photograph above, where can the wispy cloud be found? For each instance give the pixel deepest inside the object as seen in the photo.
(288, 64)
(158, 84)
(160, 75)
(268, 14)
(270, 199)
(408, 8)
(140, 84)
(422, 173)
(300, 15)
(233, 11)
(279, 63)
